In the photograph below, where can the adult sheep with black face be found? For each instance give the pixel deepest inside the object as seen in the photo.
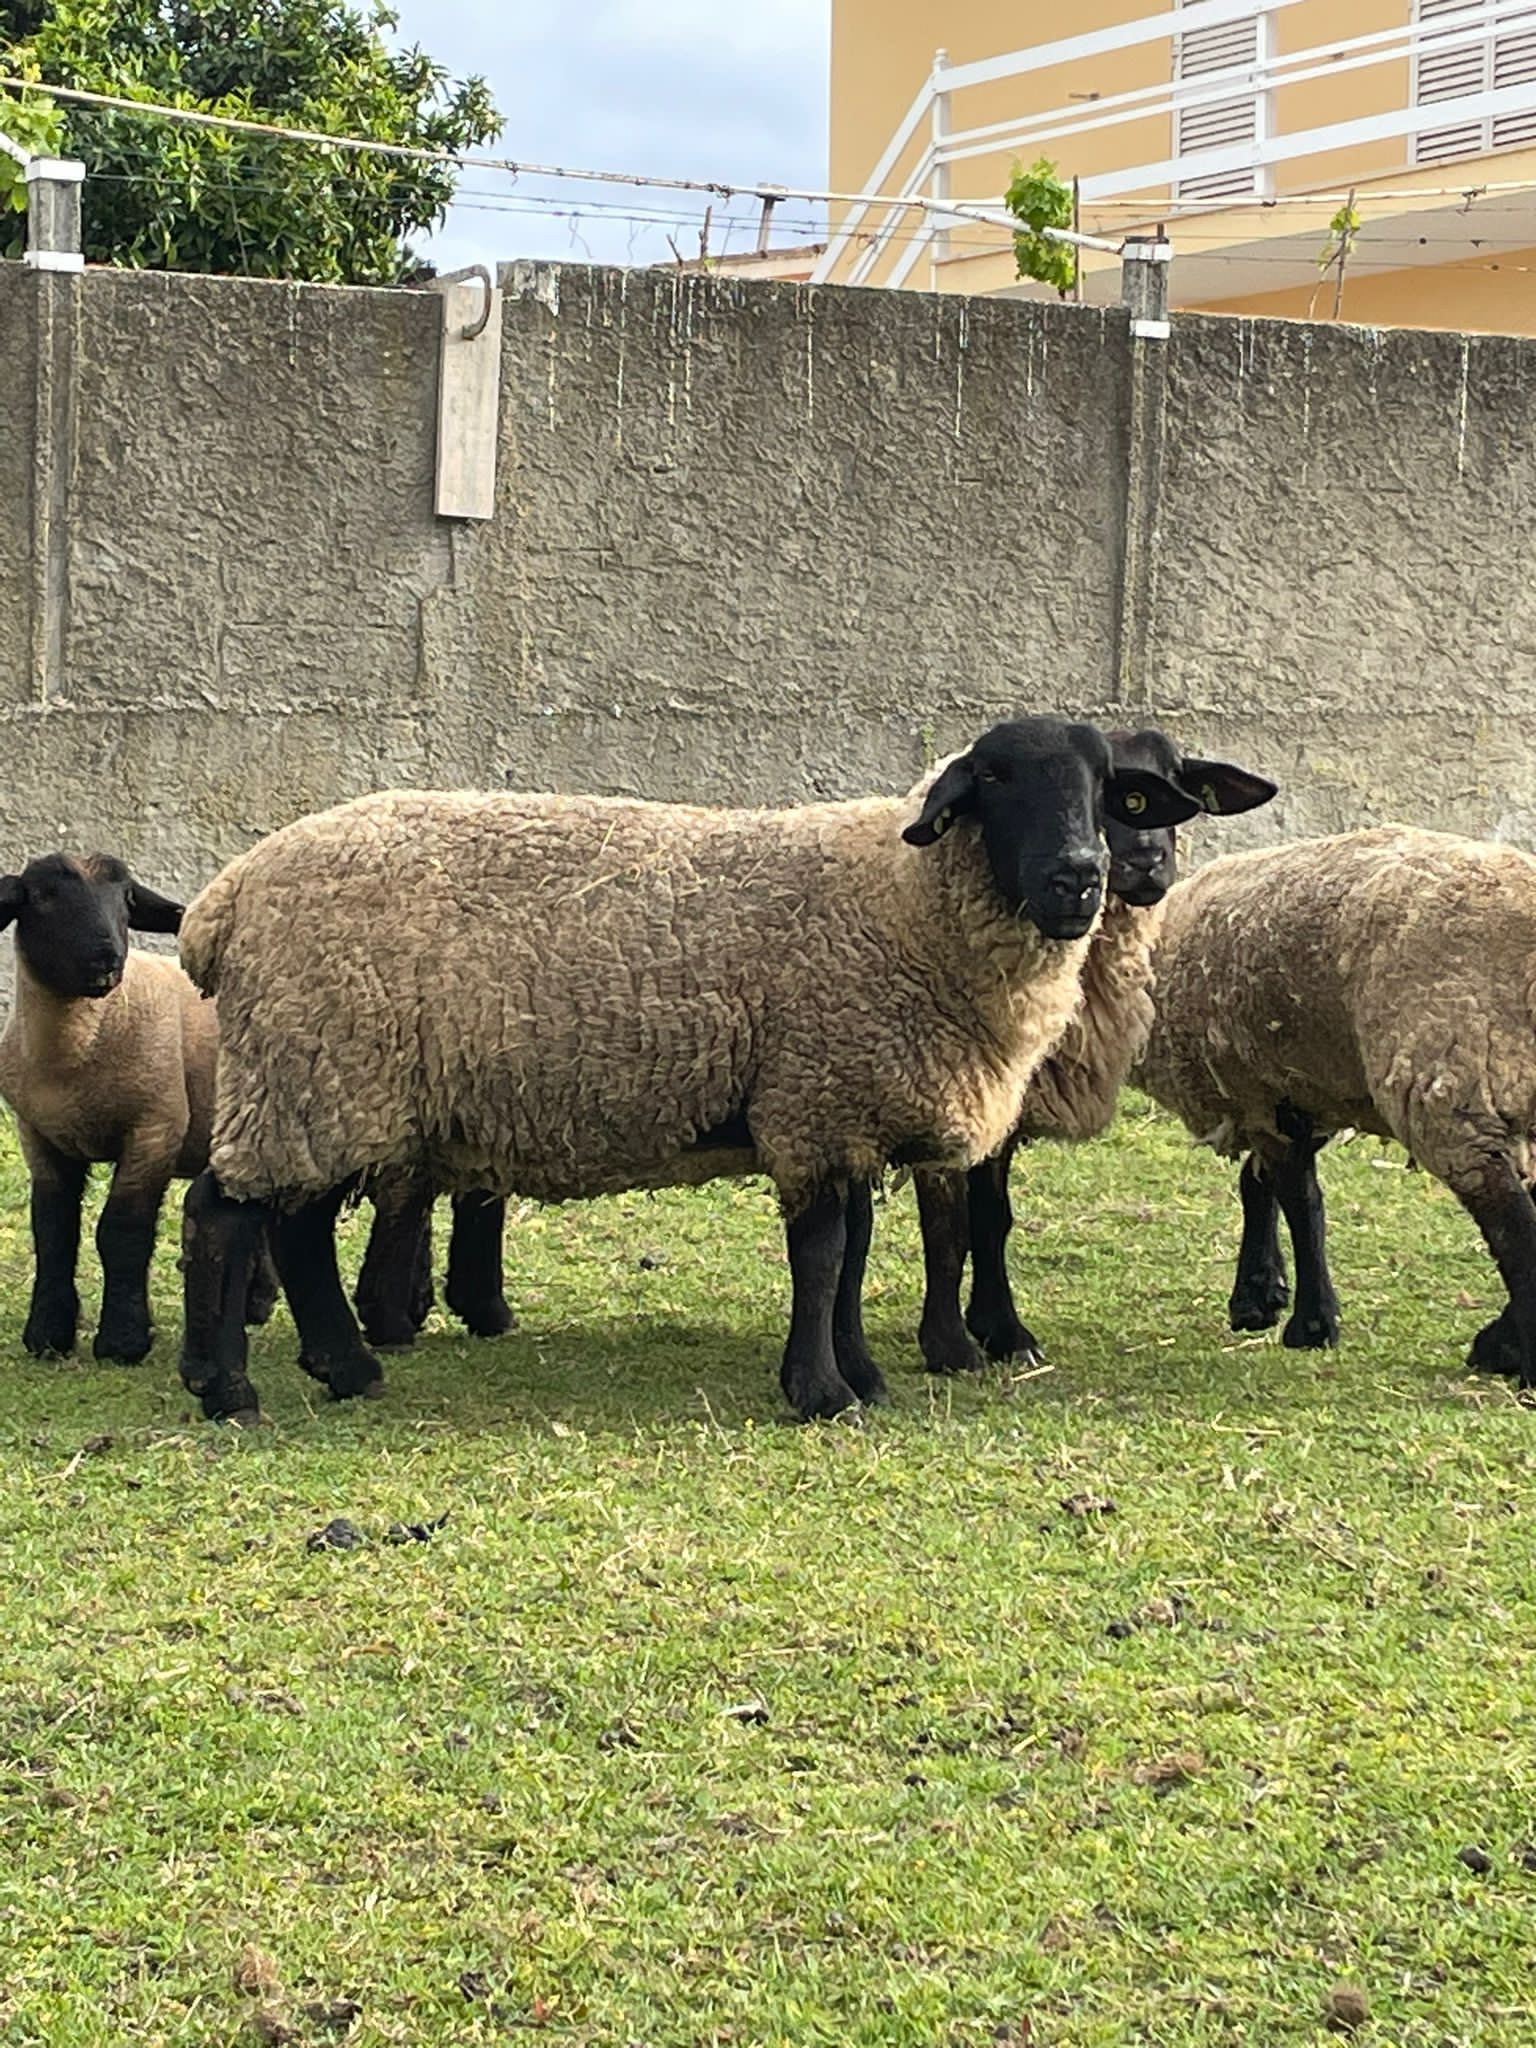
(1383, 981)
(1074, 1090)
(565, 996)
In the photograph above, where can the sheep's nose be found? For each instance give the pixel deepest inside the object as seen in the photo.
(1076, 877)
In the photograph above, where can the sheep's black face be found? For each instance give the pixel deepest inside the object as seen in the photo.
(73, 917)
(1041, 792)
(1143, 859)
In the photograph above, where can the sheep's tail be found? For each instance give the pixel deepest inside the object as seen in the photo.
(206, 928)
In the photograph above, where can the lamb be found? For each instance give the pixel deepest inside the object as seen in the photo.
(562, 996)
(1074, 1091)
(1381, 980)
(108, 1056)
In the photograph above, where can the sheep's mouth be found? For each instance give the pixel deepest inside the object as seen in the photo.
(103, 984)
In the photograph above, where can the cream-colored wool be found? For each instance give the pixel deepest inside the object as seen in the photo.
(555, 996)
(1074, 1092)
(1384, 980)
(127, 1076)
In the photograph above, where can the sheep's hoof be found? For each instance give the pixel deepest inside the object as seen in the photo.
(1497, 1349)
(1258, 1304)
(816, 1393)
(49, 1336)
(122, 1347)
(1311, 1333)
(1003, 1336)
(354, 1375)
(863, 1375)
(949, 1349)
(231, 1400)
(485, 1318)
(387, 1334)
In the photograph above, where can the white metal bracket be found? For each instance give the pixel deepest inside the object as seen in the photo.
(468, 394)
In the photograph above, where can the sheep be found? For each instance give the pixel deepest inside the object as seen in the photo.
(1074, 1091)
(1379, 980)
(562, 996)
(108, 1055)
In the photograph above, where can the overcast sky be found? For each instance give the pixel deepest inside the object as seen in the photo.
(674, 88)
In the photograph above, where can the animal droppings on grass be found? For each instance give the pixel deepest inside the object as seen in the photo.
(269, 2026)
(1118, 1631)
(255, 1974)
(1477, 1860)
(1525, 1856)
(1346, 2007)
(335, 2015)
(414, 1532)
(752, 1712)
(339, 1534)
(1165, 1772)
(475, 1985)
(1084, 1505)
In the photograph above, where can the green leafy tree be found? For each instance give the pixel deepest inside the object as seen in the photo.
(164, 195)
(1038, 199)
(36, 126)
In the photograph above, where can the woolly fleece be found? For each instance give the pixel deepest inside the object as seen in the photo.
(556, 996)
(1383, 980)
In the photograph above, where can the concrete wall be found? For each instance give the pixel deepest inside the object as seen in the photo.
(751, 542)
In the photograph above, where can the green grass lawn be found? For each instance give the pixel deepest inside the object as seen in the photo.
(692, 1726)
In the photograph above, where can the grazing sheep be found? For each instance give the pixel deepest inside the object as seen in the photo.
(108, 1056)
(1382, 980)
(1074, 1090)
(565, 996)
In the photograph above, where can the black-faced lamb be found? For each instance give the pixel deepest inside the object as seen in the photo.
(1381, 980)
(561, 996)
(1073, 1093)
(108, 1056)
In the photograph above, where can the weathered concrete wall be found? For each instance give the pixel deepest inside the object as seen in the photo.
(752, 542)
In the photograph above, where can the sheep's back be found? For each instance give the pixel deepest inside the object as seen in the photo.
(1346, 976)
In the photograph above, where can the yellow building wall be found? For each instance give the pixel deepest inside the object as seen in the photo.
(1482, 296)
(882, 50)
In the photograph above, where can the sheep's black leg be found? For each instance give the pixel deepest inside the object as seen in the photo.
(220, 1245)
(474, 1266)
(394, 1288)
(848, 1345)
(125, 1240)
(331, 1347)
(58, 1185)
(1259, 1291)
(265, 1287)
(1502, 1210)
(943, 1209)
(1314, 1323)
(809, 1375)
(992, 1317)
(1497, 1348)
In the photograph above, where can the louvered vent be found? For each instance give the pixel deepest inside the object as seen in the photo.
(1514, 63)
(1494, 61)
(1219, 124)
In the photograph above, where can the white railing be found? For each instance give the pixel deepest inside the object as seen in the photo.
(886, 212)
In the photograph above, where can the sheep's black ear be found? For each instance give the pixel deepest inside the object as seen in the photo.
(1137, 797)
(950, 797)
(1222, 789)
(148, 912)
(13, 893)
